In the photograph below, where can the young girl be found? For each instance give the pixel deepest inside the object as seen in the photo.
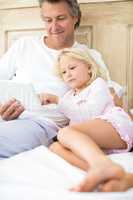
(94, 122)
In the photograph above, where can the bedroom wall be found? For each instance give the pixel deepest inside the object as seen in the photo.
(106, 25)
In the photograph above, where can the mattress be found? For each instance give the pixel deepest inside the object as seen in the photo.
(42, 175)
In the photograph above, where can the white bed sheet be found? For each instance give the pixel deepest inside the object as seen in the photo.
(41, 175)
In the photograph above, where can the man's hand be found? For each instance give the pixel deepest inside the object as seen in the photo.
(117, 100)
(47, 98)
(11, 110)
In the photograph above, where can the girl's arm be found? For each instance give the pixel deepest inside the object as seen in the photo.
(97, 99)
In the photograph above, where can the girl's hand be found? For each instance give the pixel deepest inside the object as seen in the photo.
(47, 98)
(11, 110)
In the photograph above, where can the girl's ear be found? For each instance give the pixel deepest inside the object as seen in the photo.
(89, 68)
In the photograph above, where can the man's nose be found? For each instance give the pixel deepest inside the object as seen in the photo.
(54, 25)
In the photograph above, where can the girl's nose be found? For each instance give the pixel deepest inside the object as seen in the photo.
(68, 73)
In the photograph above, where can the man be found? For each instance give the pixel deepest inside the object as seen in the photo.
(31, 59)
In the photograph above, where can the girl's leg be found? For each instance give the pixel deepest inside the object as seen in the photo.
(112, 185)
(101, 168)
(101, 132)
(68, 155)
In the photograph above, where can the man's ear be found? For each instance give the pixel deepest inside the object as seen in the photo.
(76, 20)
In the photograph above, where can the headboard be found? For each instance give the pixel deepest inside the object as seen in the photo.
(106, 26)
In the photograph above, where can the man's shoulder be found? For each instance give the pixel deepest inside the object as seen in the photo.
(80, 45)
(93, 52)
(28, 39)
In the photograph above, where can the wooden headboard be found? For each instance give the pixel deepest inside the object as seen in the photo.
(106, 26)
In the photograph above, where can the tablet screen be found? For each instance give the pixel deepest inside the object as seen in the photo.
(25, 93)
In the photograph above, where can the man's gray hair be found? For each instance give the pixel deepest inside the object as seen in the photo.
(73, 5)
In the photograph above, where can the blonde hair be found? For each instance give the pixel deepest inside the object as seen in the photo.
(84, 55)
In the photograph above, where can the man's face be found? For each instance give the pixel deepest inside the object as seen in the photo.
(59, 24)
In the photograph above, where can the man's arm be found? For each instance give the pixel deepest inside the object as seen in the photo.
(117, 90)
(117, 100)
(8, 66)
(8, 62)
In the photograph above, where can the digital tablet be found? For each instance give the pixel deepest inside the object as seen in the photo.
(25, 93)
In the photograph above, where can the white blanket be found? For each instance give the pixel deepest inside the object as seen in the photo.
(41, 175)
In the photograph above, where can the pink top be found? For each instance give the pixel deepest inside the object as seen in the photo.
(94, 100)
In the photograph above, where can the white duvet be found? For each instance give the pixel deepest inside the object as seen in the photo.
(41, 175)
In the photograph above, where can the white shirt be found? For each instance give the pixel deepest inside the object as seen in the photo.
(29, 60)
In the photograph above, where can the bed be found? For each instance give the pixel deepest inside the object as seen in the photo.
(39, 174)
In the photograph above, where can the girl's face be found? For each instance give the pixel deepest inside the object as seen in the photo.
(75, 72)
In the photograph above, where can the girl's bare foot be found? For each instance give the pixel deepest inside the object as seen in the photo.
(98, 174)
(115, 185)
